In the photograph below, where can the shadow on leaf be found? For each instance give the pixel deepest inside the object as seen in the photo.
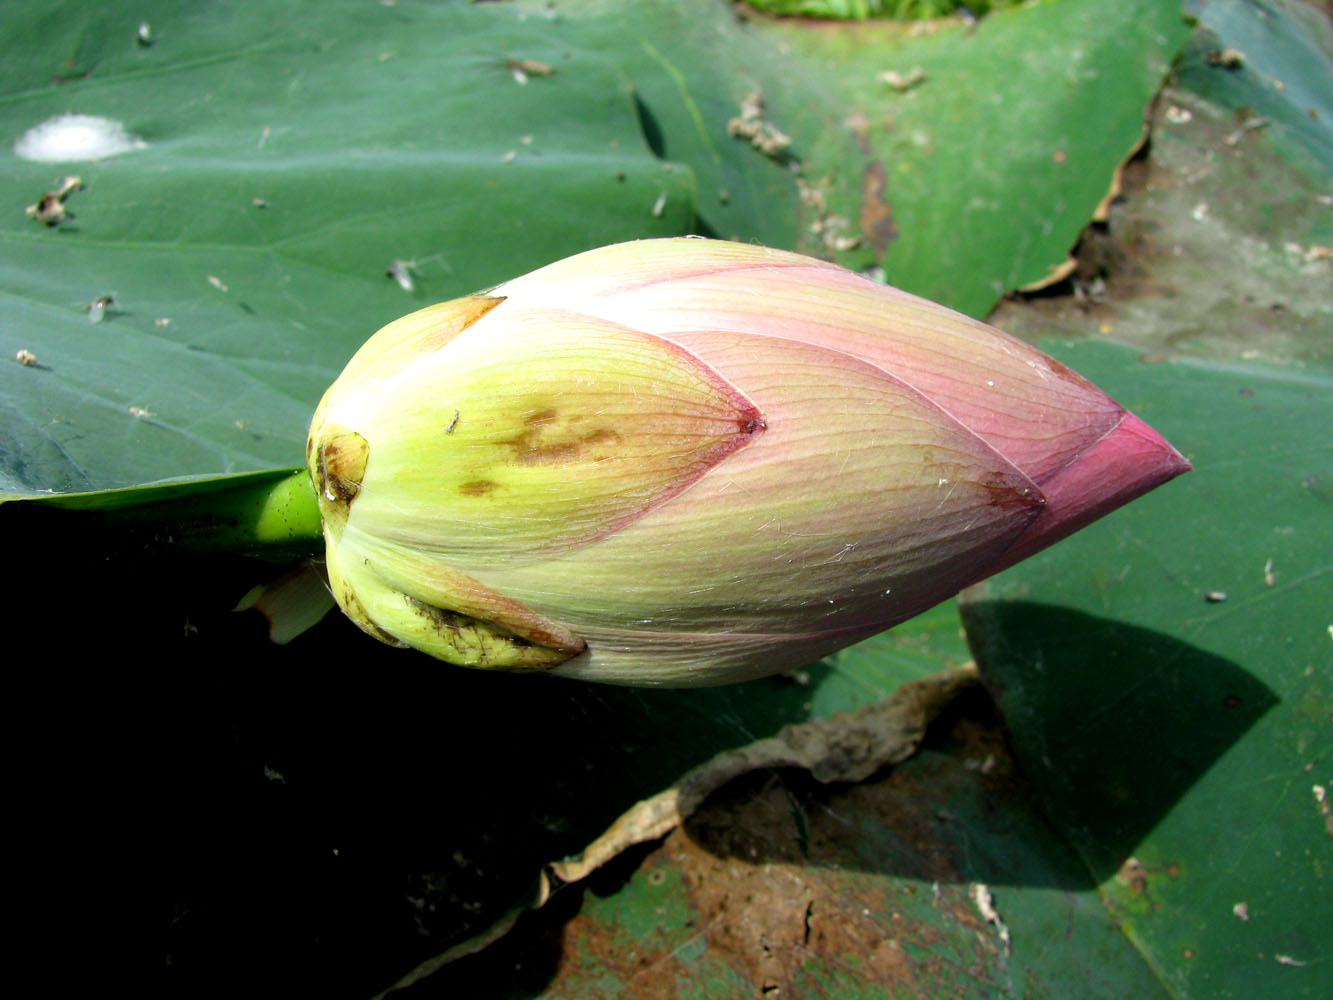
(1111, 723)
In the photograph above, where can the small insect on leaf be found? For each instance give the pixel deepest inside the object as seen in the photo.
(50, 207)
(1226, 58)
(25, 357)
(903, 82)
(97, 308)
(522, 69)
(401, 272)
(49, 210)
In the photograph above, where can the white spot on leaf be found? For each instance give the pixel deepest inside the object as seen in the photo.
(75, 137)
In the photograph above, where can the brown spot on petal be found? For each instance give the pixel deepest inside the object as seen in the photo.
(1006, 492)
(478, 487)
(545, 444)
(1063, 370)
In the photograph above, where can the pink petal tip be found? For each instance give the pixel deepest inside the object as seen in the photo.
(1127, 462)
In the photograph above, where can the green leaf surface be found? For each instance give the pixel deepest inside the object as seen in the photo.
(978, 178)
(293, 155)
(1272, 62)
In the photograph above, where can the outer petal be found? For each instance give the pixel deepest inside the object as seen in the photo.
(396, 597)
(403, 342)
(1033, 410)
(706, 460)
(1127, 462)
(861, 505)
(535, 431)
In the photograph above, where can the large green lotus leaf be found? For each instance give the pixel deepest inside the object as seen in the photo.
(292, 155)
(989, 154)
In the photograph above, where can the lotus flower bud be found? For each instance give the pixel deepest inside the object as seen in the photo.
(687, 462)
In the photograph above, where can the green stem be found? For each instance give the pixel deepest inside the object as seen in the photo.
(288, 513)
(276, 517)
(271, 515)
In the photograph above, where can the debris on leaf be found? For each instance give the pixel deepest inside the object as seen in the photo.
(217, 282)
(985, 905)
(50, 207)
(830, 231)
(401, 272)
(1226, 58)
(25, 357)
(1309, 255)
(97, 308)
(522, 69)
(1242, 910)
(903, 82)
(1251, 124)
(762, 134)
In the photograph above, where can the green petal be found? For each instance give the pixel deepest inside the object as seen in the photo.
(535, 432)
(406, 599)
